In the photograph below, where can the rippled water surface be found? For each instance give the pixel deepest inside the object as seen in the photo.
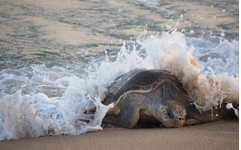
(70, 33)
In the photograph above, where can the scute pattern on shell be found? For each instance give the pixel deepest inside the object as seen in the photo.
(139, 80)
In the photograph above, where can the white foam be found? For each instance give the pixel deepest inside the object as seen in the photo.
(230, 106)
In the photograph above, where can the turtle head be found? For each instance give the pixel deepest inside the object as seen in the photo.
(171, 113)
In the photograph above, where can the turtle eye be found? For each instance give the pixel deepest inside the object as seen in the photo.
(169, 113)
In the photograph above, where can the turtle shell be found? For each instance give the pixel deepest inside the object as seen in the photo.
(140, 81)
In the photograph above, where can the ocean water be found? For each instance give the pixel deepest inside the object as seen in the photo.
(58, 58)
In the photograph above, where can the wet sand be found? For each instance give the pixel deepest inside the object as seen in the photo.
(216, 135)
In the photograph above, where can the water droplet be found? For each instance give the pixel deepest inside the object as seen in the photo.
(229, 106)
(168, 27)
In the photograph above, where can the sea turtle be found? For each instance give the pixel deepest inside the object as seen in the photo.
(153, 96)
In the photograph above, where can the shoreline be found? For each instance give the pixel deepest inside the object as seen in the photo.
(222, 134)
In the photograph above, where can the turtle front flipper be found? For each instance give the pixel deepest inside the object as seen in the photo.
(195, 116)
(125, 119)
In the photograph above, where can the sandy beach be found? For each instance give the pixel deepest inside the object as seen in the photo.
(216, 135)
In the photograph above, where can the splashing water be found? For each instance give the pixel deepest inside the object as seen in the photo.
(37, 100)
